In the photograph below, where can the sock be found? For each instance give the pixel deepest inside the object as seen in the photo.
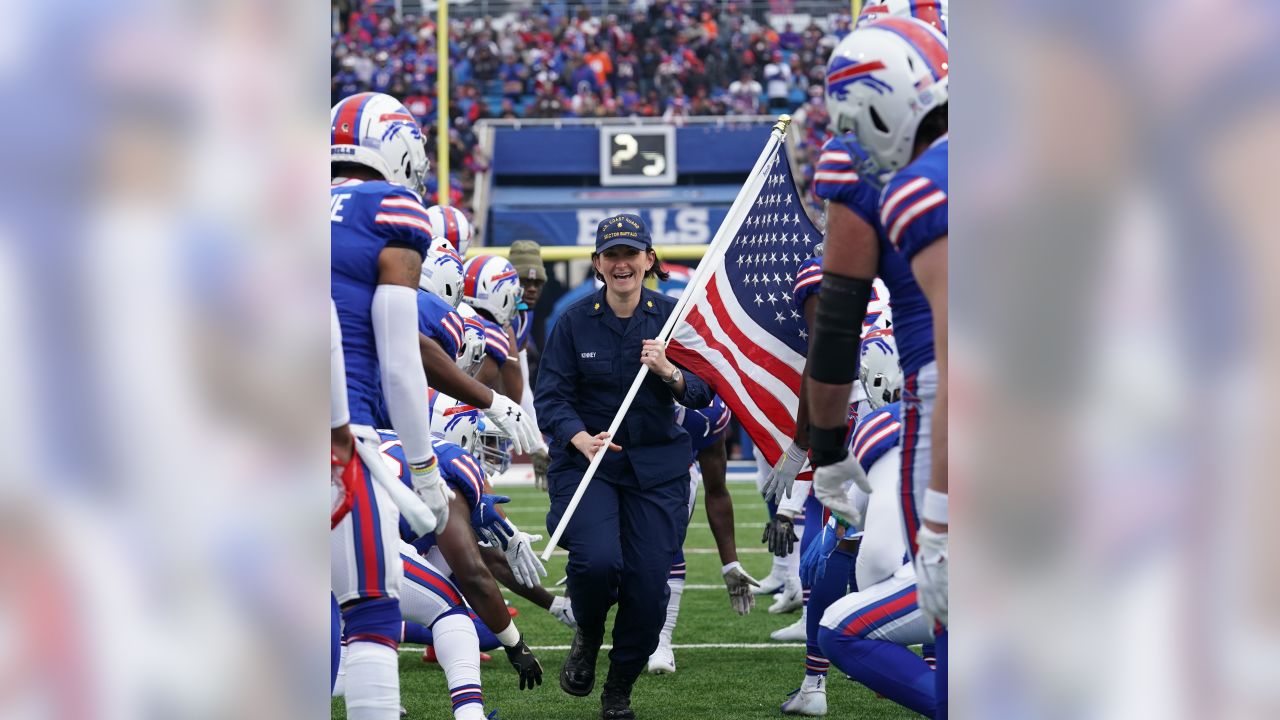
(885, 667)
(415, 633)
(373, 673)
(830, 587)
(459, 654)
(676, 584)
(940, 675)
(929, 652)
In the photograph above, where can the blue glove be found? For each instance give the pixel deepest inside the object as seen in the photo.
(813, 564)
(485, 517)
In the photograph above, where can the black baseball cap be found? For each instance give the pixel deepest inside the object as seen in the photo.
(623, 229)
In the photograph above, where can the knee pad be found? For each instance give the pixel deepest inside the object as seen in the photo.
(373, 621)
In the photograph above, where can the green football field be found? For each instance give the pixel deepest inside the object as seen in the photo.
(726, 666)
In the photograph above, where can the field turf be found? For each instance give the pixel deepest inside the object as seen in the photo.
(746, 681)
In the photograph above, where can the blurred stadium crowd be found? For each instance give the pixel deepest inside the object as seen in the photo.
(656, 59)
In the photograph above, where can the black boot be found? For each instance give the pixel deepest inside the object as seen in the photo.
(578, 675)
(615, 701)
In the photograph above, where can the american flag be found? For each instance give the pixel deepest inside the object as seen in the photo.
(745, 336)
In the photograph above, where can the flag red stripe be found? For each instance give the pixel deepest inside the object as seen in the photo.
(765, 359)
(703, 368)
(778, 413)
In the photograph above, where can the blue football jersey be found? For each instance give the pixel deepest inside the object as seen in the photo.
(364, 218)
(912, 319)
(809, 281)
(439, 321)
(458, 468)
(876, 434)
(705, 425)
(496, 344)
(913, 210)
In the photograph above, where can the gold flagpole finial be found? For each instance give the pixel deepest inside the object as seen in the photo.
(784, 121)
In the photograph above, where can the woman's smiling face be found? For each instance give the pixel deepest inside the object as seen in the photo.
(623, 268)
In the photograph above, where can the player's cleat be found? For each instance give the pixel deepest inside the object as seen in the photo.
(770, 584)
(795, 632)
(578, 674)
(511, 609)
(662, 661)
(811, 701)
(790, 599)
(403, 712)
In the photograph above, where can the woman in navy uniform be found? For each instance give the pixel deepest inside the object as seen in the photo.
(624, 534)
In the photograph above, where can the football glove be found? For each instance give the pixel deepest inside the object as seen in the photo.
(563, 611)
(430, 487)
(515, 423)
(813, 564)
(518, 549)
(783, 474)
(525, 663)
(780, 535)
(739, 584)
(485, 515)
(931, 574)
(830, 486)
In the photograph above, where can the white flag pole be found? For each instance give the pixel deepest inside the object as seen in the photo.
(693, 292)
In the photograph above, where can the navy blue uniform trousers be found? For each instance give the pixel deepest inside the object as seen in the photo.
(621, 542)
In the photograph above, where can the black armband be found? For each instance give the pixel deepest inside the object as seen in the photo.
(837, 329)
(828, 446)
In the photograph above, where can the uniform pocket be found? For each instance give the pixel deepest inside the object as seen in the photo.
(597, 366)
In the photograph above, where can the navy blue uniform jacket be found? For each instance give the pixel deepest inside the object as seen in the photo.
(589, 363)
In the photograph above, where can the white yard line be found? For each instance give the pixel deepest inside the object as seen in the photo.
(690, 646)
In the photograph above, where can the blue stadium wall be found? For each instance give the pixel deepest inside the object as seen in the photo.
(546, 185)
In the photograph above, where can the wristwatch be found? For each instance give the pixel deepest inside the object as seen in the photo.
(676, 375)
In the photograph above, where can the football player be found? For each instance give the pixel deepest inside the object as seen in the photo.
(888, 83)
(379, 237)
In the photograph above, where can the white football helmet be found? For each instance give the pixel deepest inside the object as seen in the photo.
(879, 314)
(455, 421)
(451, 224)
(473, 341)
(490, 283)
(882, 80)
(880, 373)
(375, 130)
(442, 275)
(933, 12)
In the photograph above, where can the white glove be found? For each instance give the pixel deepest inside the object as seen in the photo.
(931, 574)
(830, 484)
(783, 474)
(563, 611)
(518, 547)
(739, 584)
(430, 487)
(515, 423)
